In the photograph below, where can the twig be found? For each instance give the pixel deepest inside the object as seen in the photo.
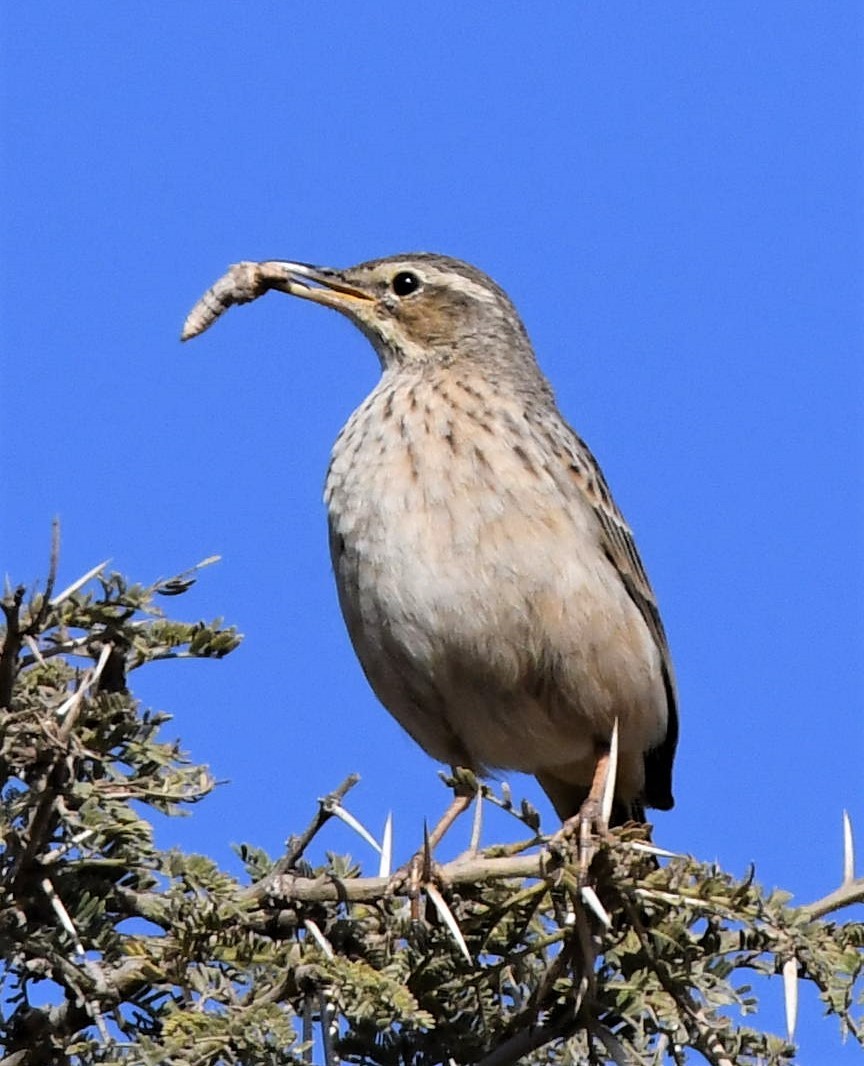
(527, 1040)
(53, 563)
(297, 845)
(844, 896)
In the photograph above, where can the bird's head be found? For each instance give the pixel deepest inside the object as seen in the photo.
(419, 308)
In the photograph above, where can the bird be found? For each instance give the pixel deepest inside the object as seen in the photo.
(490, 586)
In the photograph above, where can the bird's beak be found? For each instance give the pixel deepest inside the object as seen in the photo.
(322, 285)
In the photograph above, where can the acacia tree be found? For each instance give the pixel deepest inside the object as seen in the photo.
(511, 953)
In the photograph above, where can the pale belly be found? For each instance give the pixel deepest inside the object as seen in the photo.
(485, 616)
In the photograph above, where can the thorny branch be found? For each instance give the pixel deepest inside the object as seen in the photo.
(639, 975)
(847, 894)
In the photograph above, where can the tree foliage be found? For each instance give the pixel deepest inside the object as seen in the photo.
(114, 951)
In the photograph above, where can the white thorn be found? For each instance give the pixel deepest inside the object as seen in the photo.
(590, 897)
(611, 777)
(385, 863)
(63, 849)
(848, 850)
(651, 849)
(90, 679)
(209, 561)
(91, 965)
(67, 592)
(477, 824)
(447, 918)
(34, 647)
(62, 914)
(328, 1028)
(790, 995)
(349, 819)
(102, 661)
(319, 937)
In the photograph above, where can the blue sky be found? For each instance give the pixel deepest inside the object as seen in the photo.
(670, 192)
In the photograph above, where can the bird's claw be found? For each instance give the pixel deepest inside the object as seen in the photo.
(588, 829)
(409, 880)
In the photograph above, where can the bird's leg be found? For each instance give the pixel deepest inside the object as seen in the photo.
(591, 821)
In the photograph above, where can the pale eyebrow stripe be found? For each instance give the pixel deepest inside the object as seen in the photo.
(462, 284)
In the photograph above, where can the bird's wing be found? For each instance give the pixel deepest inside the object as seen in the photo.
(620, 549)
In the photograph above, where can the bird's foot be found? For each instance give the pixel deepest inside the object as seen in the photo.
(587, 829)
(407, 878)
(418, 874)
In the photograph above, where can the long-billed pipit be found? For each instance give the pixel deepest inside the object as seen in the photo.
(492, 590)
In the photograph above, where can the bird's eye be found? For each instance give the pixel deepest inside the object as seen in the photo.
(405, 282)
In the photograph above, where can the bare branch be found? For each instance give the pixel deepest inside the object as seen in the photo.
(526, 1040)
(53, 564)
(297, 845)
(841, 897)
(287, 887)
